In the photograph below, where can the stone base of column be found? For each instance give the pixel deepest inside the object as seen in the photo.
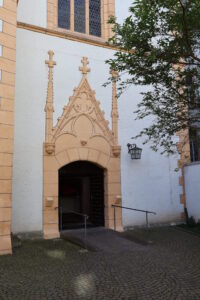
(5, 245)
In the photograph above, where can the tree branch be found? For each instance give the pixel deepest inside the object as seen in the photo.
(185, 28)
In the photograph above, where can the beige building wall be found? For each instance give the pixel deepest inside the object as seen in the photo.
(8, 10)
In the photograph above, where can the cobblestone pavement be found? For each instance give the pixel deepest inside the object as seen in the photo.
(167, 269)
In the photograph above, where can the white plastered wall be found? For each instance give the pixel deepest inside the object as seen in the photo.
(150, 183)
(192, 187)
(33, 12)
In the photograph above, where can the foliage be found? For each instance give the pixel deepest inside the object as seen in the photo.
(159, 47)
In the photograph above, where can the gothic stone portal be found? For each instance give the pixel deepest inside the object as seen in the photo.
(81, 134)
(81, 191)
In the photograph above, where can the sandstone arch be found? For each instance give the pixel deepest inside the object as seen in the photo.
(81, 134)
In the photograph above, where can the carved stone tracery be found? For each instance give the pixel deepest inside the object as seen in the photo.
(83, 104)
(81, 133)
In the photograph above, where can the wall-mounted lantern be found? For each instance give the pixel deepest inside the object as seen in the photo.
(134, 151)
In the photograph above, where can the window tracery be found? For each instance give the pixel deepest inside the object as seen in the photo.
(64, 14)
(95, 17)
(79, 16)
(87, 17)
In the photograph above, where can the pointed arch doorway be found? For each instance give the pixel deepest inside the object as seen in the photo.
(81, 134)
(81, 191)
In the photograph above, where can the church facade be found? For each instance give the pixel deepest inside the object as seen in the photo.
(63, 136)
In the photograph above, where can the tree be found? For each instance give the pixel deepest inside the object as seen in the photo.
(159, 47)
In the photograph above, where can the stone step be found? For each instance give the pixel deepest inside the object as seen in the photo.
(100, 239)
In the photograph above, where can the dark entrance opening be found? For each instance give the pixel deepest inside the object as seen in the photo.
(81, 191)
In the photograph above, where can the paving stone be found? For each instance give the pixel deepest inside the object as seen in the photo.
(47, 270)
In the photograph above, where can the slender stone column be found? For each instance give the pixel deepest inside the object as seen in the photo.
(114, 113)
(49, 109)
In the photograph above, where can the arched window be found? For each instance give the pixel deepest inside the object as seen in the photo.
(72, 15)
(81, 16)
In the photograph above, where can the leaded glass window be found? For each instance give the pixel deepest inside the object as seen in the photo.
(82, 16)
(79, 16)
(64, 14)
(95, 17)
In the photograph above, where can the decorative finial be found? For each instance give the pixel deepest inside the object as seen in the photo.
(114, 74)
(50, 62)
(84, 69)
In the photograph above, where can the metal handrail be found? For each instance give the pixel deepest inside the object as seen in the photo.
(76, 213)
(86, 217)
(134, 209)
